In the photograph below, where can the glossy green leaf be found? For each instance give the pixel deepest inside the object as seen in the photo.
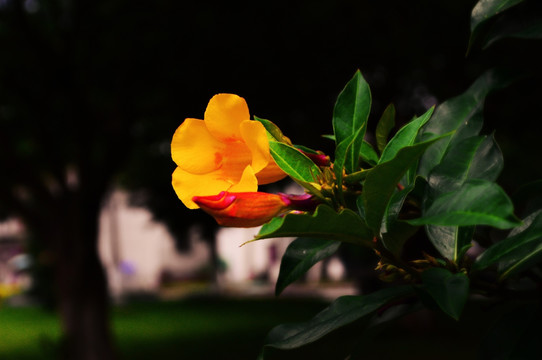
(382, 180)
(483, 11)
(405, 136)
(476, 157)
(450, 291)
(476, 202)
(350, 116)
(462, 114)
(521, 249)
(342, 313)
(384, 126)
(325, 223)
(273, 130)
(300, 256)
(293, 162)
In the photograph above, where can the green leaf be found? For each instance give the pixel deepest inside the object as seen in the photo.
(350, 116)
(450, 291)
(341, 155)
(476, 157)
(384, 126)
(300, 256)
(273, 130)
(483, 11)
(382, 180)
(462, 114)
(368, 154)
(450, 241)
(293, 162)
(394, 231)
(520, 250)
(405, 136)
(526, 24)
(343, 313)
(325, 223)
(477, 202)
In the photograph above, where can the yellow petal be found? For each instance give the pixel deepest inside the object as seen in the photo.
(236, 157)
(270, 174)
(224, 114)
(188, 185)
(247, 183)
(255, 137)
(194, 149)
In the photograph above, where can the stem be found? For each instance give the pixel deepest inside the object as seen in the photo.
(395, 261)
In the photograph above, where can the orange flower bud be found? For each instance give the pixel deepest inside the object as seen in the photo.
(246, 209)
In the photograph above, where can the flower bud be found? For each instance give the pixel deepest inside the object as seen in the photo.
(249, 209)
(246, 209)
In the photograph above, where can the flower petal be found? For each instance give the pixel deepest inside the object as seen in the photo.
(247, 183)
(255, 137)
(224, 114)
(270, 174)
(194, 149)
(235, 158)
(188, 185)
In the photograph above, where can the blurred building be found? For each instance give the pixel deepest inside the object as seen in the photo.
(140, 257)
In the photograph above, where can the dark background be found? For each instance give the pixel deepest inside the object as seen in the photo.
(129, 72)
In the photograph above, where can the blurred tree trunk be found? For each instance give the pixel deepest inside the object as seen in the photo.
(69, 229)
(81, 288)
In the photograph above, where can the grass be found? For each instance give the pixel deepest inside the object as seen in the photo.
(204, 328)
(231, 329)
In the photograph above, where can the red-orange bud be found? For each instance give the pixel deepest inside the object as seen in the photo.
(246, 209)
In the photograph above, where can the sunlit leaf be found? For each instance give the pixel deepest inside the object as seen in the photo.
(300, 256)
(293, 162)
(450, 291)
(405, 136)
(273, 130)
(325, 223)
(350, 116)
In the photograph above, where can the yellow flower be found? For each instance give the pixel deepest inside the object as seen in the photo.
(224, 152)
